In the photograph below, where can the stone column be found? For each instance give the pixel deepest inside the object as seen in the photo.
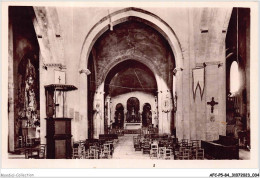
(108, 100)
(159, 101)
(11, 143)
(213, 121)
(179, 98)
(82, 127)
(43, 77)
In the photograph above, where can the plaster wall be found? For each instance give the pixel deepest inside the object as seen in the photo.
(141, 96)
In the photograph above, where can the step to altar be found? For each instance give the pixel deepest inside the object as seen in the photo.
(133, 126)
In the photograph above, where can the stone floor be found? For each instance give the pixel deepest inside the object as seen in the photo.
(244, 154)
(124, 149)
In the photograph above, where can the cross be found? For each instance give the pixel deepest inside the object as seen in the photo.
(212, 103)
(59, 79)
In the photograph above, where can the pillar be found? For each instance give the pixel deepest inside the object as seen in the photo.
(212, 90)
(81, 128)
(11, 134)
(43, 77)
(179, 98)
(164, 107)
(108, 116)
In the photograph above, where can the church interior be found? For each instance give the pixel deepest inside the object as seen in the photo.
(128, 83)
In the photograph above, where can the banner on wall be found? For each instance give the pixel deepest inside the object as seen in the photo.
(198, 81)
(166, 104)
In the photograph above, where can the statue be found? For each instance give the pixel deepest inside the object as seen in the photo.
(133, 106)
(30, 104)
(97, 121)
(133, 118)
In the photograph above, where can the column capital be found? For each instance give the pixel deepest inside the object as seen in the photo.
(85, 71)
(177, 69)
(100, 92)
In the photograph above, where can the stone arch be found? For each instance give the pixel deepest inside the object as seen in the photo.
(126, 14)
(134, 58)
(118, 17)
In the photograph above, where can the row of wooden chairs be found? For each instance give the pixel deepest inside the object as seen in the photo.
(189, 150)
(118, 131)
(25, 141)
(38, 152)
(160, 152)
(189, 154)
(96, 150)
(168, 148)
(153, 147)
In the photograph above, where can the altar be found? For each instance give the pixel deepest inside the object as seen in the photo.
(133, 117)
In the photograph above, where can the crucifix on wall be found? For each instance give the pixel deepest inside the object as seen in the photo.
(212, 103)
(59, 77)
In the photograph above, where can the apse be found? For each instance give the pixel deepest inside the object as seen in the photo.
(132, 86)
(130, 76)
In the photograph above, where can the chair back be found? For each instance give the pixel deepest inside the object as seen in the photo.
(200, 154)
(42, 151)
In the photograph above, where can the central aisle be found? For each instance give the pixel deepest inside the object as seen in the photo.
(125, 149)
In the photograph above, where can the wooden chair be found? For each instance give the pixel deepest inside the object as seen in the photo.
(21, 141)
(195, 143)
(184, 154)
(42, 151)
(75, 153)
(200, 154)
(161, 154)
(184, 142)
(93, 152)
(81, 150)
(168, 153)
(105, 152)
(29, 142)
(136, 141)
(31, 153)
(154, 151)
(146, 146)
(111, 143)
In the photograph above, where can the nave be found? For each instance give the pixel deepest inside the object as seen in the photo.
(124, 149)
(138, 74)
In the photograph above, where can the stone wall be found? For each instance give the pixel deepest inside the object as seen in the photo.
(201, 36)
(195, 37)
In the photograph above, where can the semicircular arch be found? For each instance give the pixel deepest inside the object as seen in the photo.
(124, 15)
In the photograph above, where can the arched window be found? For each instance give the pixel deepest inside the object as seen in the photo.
(234, 78)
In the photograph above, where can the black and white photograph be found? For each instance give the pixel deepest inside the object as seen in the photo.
(131, 82)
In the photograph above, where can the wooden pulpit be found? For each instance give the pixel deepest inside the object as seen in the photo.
(58, 129)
